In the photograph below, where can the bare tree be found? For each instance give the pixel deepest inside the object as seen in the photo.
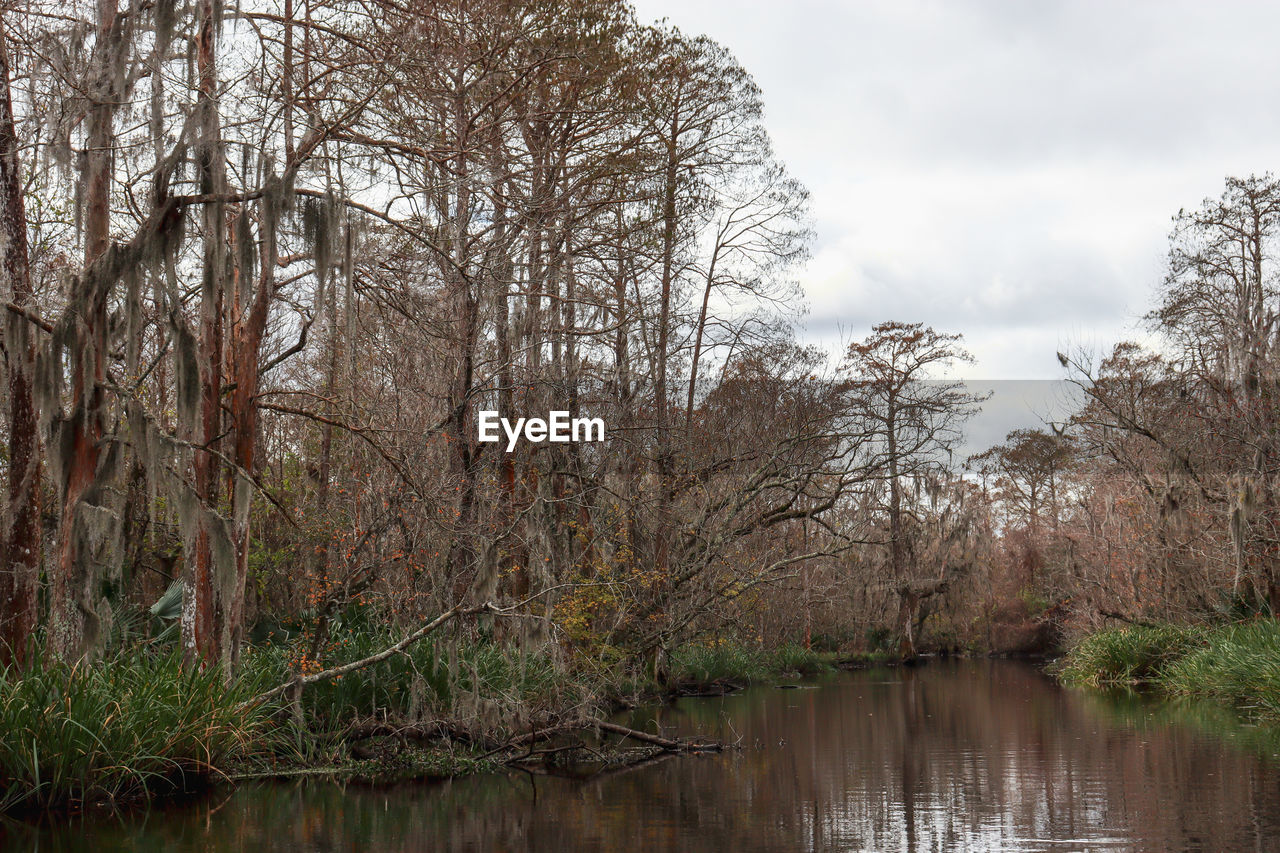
(915, 419)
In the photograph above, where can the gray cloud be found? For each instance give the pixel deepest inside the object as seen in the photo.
(1005, 169)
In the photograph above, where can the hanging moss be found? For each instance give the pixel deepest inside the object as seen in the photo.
(165, 17)
(320, 218)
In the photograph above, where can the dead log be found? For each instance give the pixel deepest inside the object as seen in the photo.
(655, 740)
(668, 744)
(427, 730)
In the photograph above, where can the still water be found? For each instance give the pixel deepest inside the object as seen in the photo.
(950, 756)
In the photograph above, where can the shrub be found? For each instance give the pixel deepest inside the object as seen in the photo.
(879, 640)
(796, 658)
(701, 663)
(730, 662)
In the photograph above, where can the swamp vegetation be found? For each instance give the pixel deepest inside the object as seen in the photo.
(262, 266)
(964, 755)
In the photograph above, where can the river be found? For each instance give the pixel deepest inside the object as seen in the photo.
(948, 756)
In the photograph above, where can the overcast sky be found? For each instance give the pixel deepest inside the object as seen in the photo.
(1008, 170)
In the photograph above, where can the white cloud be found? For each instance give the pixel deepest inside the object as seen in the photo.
(1003, 169)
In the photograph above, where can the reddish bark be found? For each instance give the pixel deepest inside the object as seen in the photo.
(73, 621)
(247, 332)
(200, 632)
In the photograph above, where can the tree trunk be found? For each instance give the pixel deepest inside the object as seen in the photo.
(662, 533)
(465, 318)
(897, 561)
(697, 343)
(248, 329)
(73, 622)
(20, 536)
(910, 598)
(200, 607)
(908, 603)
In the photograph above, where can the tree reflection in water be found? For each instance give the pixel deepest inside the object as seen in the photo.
(950, 756)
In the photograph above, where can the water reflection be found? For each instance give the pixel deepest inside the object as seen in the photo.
(949, 756)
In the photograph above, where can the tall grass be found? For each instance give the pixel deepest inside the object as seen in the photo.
(482, 681)
(1240, 666)
(1129, 655)
(794, 658)
(1233, 664)
(717, 663)
(136, 723)
(118, 729)
(727, 662)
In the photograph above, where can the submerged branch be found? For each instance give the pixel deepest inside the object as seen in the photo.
(668, 744)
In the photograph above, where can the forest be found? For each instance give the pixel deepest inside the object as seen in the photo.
(263, 266)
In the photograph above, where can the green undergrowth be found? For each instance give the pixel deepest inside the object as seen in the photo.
(706, 664)
(479, 684)
(1233, 664)
(120, 729)
(1130, 655)
(1239, 666)
(135, 724)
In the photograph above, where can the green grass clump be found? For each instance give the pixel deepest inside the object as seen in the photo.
(1239, 666)
(717, 663)
(734, 663)
(796, 658)
(1128, 655)
(117, 729)
(1236, 664)
(428, 680)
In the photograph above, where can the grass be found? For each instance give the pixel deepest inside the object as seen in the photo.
(1240, 666)
(117, 730)
(732, 663)
(1237, 665)
(1130, 655)
(477, 681)
(135, 724)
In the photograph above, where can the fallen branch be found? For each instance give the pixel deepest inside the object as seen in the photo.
(655, 740)
(324, 675)
(426, 731)
(537, 735)
(298, 682)
(543, 754)
(645, 757)
(667, 744)
(1112, 614)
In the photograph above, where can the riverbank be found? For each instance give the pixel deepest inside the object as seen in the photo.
(881, 748)
(1236, 665)
(136, 726)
